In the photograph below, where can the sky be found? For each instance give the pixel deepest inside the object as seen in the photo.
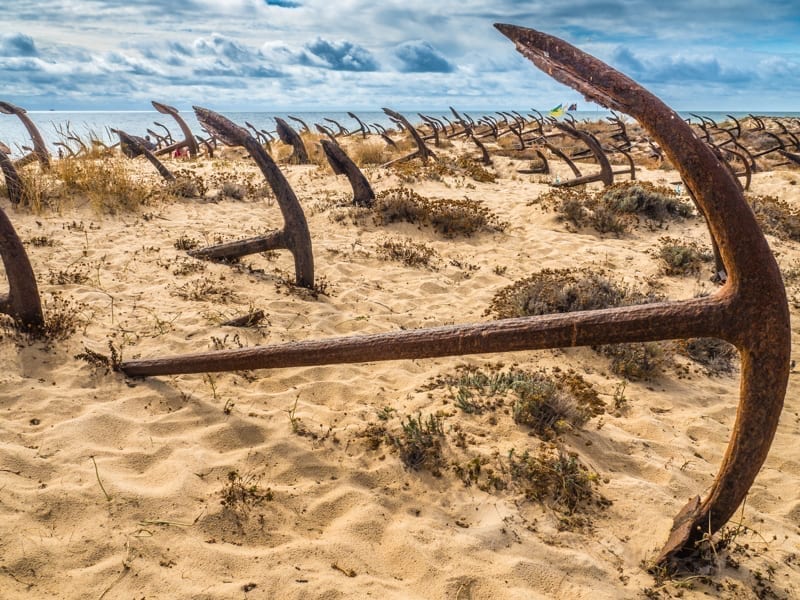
(315, 55)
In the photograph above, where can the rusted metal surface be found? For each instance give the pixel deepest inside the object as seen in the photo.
(794, 141)
(737, 126)
(750, 310)
(561, 154)
(434, 135)
(327, 132)
(769, 137)
(188, 140)
(485, 158)
(621, 135)
(746, 172)
(343, 165)
(295, 235)
(460, 120)
(262, 139)
(795, 158)
(381, 131)
(490, 126)
(22, 301)
(289, 136)
(167, 137)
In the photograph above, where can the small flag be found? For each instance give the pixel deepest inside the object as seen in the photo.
(558, 111)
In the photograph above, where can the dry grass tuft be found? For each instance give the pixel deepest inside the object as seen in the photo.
(563, 290)
(775, 216)
(550, 403)
(451, 218)
(636, 362)
(367, 152)
(681, 258)
(62, 319)
(617, 208)
(408, 252)
(40, 190)
(555, 477)
(108, 183)
(204, 289)
(243, 492)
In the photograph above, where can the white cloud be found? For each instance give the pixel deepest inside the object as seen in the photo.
(316, 51)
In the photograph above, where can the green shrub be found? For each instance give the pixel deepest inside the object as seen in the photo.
(775, 216)
(553, 476)
(681, 258)
(408, 252)
(400, 205)
(474, 170)
(563, 290)
(617, 208)
(544, 407)
(645, 199)
(717, 356)
(368, 152)
(420, 443)
(548, 403)
(448, 217)
(635, 362)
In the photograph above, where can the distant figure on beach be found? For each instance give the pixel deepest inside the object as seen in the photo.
(148, 143)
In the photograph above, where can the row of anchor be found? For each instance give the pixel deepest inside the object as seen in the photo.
(738, 146)
(739, 143)
(728, 141)
(735, 142)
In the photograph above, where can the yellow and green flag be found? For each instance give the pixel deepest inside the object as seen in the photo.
(558, 111)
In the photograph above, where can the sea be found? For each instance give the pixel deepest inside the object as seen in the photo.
(98, 124)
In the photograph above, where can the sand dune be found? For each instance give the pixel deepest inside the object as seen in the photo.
(271, 484)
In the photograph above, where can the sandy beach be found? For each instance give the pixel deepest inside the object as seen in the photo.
(302, 482)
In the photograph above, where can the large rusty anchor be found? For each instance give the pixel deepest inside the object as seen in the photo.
(22, 302)
(750, 310)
